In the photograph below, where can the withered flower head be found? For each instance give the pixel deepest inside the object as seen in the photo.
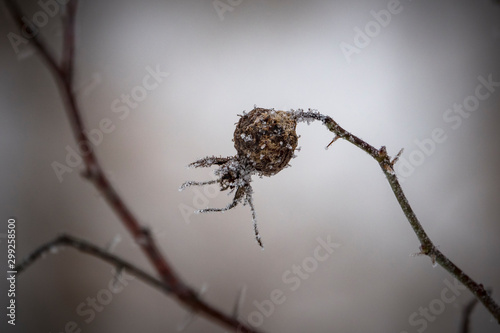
(265, 141)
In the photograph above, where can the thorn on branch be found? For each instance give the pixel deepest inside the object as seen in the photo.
(430, 252)
(93, 250)
(63, 75)
(382, 152)
(333, 140)
(144, 236)
(396, 158)
(191, 315)
(433, 259)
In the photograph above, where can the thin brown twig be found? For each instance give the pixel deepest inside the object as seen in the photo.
(63, 75)
(427, 247)
(68, 58)
(93, 250)
(38, 43)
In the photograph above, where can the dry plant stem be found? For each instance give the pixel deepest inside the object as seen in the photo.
(93, 250)
(426, 245)
(63, 74)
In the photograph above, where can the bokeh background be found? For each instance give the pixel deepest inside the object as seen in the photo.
(223, 58)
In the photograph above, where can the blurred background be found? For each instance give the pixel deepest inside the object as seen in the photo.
(390, 72)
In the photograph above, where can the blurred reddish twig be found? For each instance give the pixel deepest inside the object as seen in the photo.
(63, 75)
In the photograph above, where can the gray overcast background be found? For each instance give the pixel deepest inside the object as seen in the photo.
(276, 54)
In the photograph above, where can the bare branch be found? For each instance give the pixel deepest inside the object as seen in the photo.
(331, 142)
(95, 251)
(396, 158)
(239, 302)
(63, 76)
(169, 280)
(427, 247)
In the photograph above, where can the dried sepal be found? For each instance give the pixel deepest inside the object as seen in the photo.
(237, 199)
(209, 161)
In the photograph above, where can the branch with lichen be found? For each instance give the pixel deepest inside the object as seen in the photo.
(63, 74)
